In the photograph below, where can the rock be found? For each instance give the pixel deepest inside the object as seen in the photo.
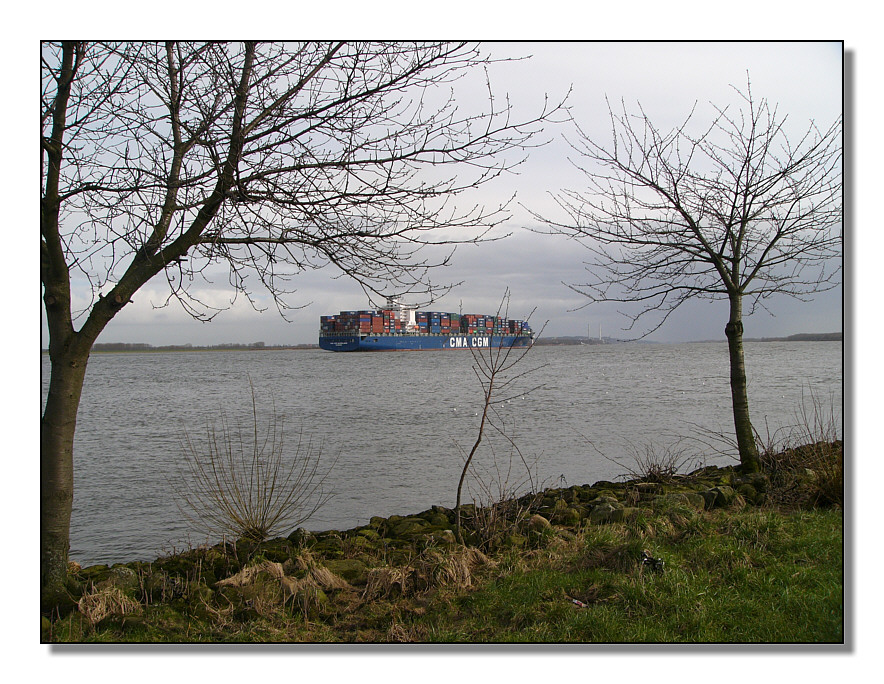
(566, 535)
(608, 495)
(198, 592)
(604, 498)
(695, 500)
(369, 534)
(123, 578)
(708, 498)
(95, 573)
(601, 514)
(437, 516)
(406, 527)
(537, 523)
(331, 545)
(651, 487)
(706, 471)
(566, 516)
(352, 570)
(559, 505)
(689, 499)
(749, 493)
(604, 484)
(445, 537)
(277, 550)
(721, 496)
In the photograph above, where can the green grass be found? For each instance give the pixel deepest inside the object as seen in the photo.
(756, 577)
(735, 575)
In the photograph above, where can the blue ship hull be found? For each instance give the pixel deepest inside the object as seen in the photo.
(407, 342)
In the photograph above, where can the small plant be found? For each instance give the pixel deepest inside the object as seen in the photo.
(655, 463)
(660, 464)
(805, 462)
(243, 484)
(502, 500)
(497, 373)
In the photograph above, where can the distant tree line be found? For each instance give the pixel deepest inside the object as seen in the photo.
(141, 346)
(805, 337)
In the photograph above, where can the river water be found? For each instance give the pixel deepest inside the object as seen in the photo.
(395, 425)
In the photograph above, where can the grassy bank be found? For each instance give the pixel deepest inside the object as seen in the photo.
(745, 559)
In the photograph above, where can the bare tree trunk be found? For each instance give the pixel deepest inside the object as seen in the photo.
(57, 428)
(739, 395)
(458, 528)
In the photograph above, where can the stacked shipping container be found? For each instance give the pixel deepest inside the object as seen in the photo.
(350, 322)
(428, 323)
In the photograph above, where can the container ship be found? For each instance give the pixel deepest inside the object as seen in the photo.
(400, 327)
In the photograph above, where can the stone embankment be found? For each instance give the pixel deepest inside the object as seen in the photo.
(353, 555)
(227, 591)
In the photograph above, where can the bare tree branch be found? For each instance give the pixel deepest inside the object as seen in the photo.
(738, 209)
(267, 158)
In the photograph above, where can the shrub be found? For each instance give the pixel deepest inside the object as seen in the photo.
(805, 463)
(246, 484)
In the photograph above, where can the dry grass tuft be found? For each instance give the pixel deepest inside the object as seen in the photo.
(430, 570)
(382, 582)
(326, 579)
(406, 634)
(104, 602)
(809, 475)
(252, 573)
(318, 573)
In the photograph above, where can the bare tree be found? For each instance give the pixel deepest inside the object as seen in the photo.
(741, 210)
(268, 158)
(496, 369)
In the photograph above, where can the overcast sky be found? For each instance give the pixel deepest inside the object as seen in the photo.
(803, 79)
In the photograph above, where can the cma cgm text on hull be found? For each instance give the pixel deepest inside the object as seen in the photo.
(402, 328)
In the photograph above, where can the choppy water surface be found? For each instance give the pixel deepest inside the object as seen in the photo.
(393, 422)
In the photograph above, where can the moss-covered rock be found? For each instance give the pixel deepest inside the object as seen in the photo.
(94, 574)
(749, 493)
(537, 523)
(350, 569)
(720, 496)
(724, 496)
(444, 537)
(199, 594)
(689, 499)
(331, 547)
(440, 520)
(407, 527)
(301, 537)
(605, 485)
(604, 498)
(601, 514)
(277, 550)
(123, 578)
(368, 533)
(567, 515)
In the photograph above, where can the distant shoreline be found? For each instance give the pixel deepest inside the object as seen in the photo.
(116, 347)
(800, 337)
(125, 347)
